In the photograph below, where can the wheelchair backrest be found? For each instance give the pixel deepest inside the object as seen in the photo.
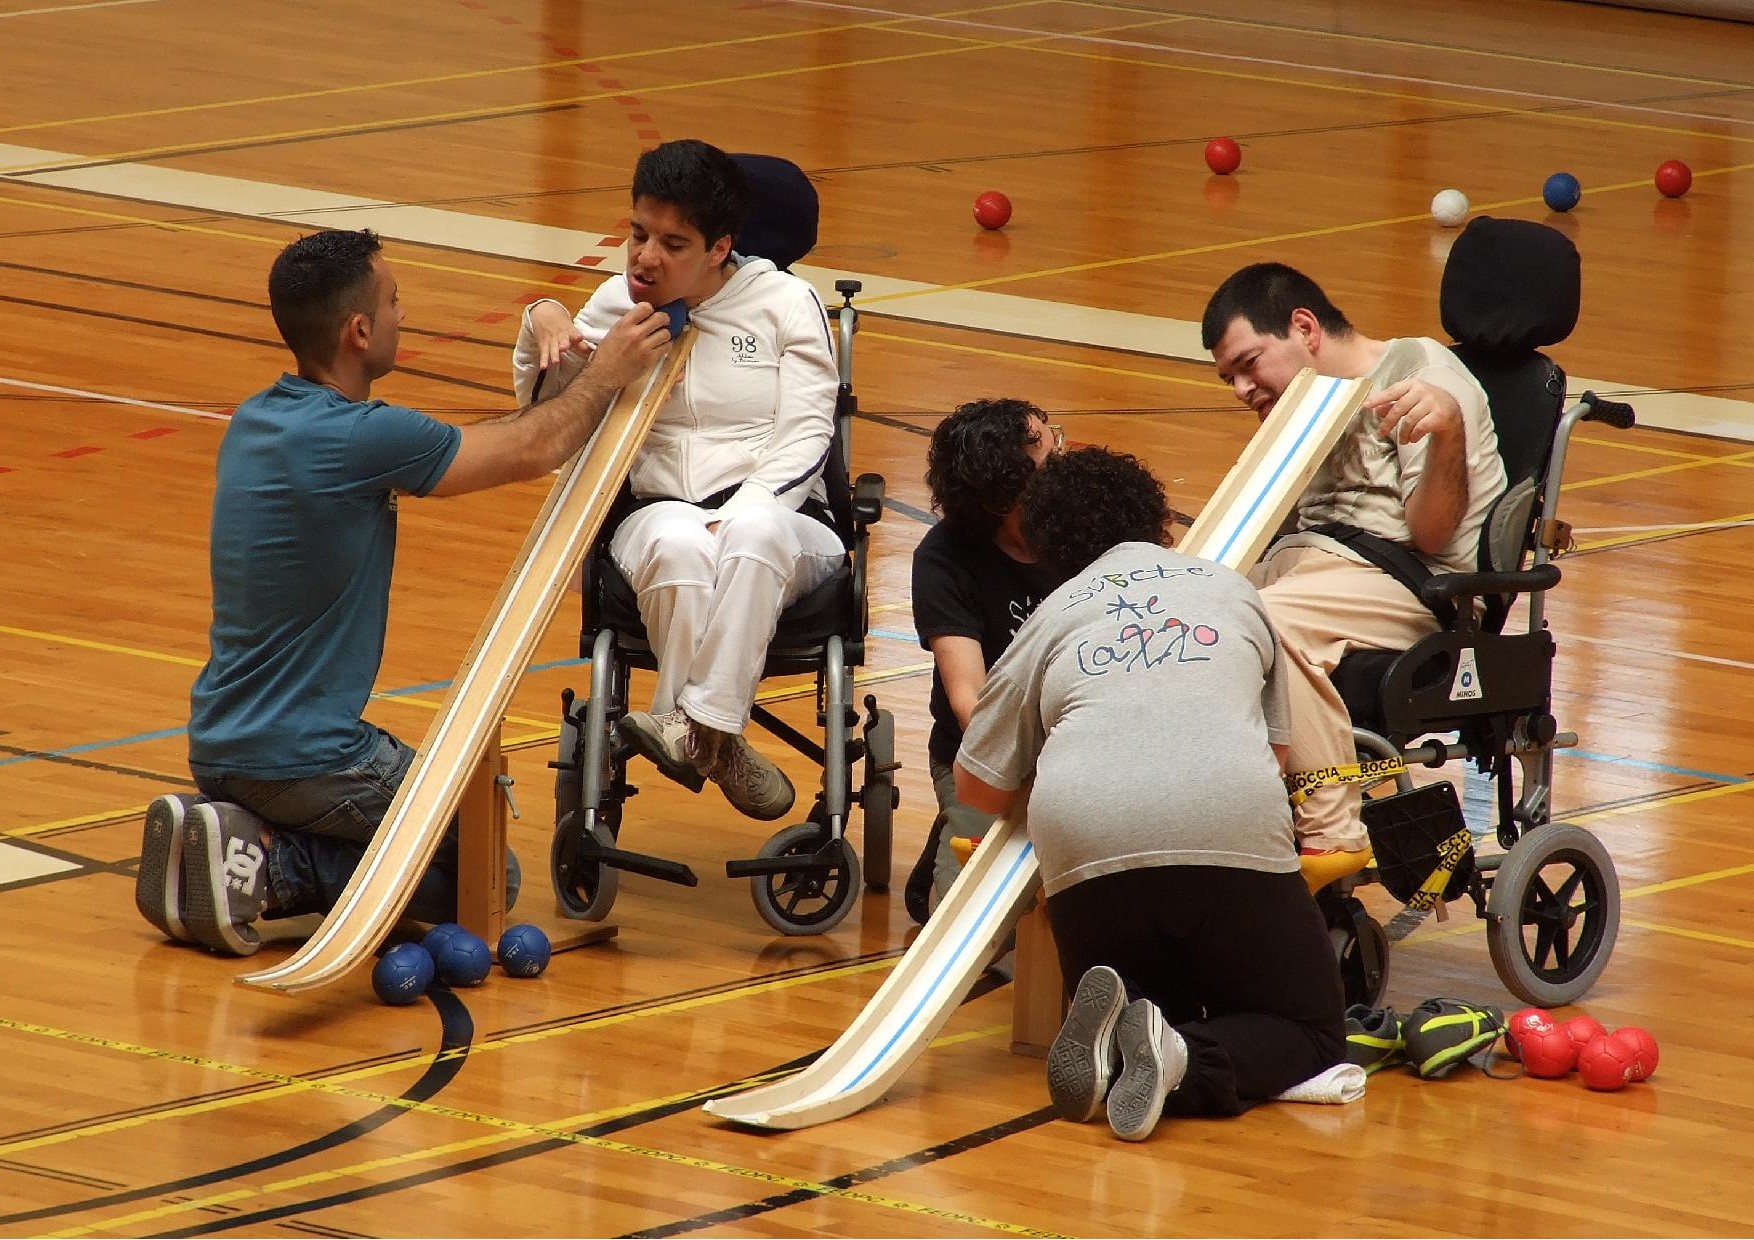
(1509, 288)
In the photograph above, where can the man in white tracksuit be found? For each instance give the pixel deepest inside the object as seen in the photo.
(730, 524)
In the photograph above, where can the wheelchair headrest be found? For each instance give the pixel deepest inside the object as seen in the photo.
(783, 211)
(1510, 286)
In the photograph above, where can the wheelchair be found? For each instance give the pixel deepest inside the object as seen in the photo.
(1551, 901)
(804, 879)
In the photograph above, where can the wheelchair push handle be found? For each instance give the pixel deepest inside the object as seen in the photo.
(1616, 413)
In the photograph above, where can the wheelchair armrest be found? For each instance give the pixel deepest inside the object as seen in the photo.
(1446, 586)
(868, 499)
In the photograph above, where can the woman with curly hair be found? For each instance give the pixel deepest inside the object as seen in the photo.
(975, 581)
(1146, 698)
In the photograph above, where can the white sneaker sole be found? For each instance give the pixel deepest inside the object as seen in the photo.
(159, 885)
(1081, 1060)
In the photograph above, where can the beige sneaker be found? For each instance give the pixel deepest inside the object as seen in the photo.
(681, 748)
(750, 782)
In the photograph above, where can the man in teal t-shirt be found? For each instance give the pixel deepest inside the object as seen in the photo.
(293, 779)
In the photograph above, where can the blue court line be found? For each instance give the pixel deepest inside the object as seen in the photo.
(1664, 767)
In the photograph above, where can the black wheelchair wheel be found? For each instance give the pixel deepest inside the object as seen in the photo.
(811, 902)
(1361, 983)
(586, 889)
(1553, 914)
(878, 798)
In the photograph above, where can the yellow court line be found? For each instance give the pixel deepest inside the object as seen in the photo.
(1647, 449)
(1692, 880)
(279, 1085)
(106, 647)
(1703, 462)
(472, 74)
(1704, 936)
(556, 1130)
(1634, 540)
(1036, 360)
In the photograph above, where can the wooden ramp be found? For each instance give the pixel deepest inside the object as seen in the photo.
(925, 989)
(433, 788)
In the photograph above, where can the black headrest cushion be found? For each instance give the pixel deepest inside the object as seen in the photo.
(783, 210)
(1510, 286)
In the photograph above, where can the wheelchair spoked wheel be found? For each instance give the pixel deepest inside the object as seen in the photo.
(586, 889)
(810, 902)
(1553, 914)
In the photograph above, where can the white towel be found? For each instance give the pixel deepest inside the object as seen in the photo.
(1343, 1082)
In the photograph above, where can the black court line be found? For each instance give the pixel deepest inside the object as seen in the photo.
(457, 1031)
(217, 299)
(984, 985)
(60, 759)
(214, 333)
(852, 1179)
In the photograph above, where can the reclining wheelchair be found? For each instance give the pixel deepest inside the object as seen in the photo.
(805, 879)
(1551, 901)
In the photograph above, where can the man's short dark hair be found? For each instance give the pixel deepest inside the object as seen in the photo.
(978, 461)
(1082, 503)
(1265, 294)
(316, 284)
(700, 181)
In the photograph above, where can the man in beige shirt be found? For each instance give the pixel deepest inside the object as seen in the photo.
(1418, 468)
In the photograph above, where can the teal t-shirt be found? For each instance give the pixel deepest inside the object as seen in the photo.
(303, 543)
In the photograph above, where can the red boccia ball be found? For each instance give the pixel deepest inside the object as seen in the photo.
(1223, 156)
(1548, 1052)
(1582, 1030)
(992, 210)
(1673, 178)
(1647, 1050)
(1523, 1023)
(1608, 1062)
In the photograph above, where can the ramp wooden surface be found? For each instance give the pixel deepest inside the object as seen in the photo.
(923, 992)
(433, 788)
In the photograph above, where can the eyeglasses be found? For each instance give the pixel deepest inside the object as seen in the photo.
(1059, 433)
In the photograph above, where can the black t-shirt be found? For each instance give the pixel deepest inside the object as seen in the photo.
(967, 587)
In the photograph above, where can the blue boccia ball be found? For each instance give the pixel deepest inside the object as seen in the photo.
(438, 936)
(464, 959)
(1561, 192)
(524, 950)
(402, 974)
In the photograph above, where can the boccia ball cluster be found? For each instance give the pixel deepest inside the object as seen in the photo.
(453, 955)
(1553, 1048)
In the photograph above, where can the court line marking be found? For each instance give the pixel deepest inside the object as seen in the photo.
(1741, 459)
(1633, 540)
(958, 306)
(467, 75)
(74, 8)
(555, 1130)
(1337, 71)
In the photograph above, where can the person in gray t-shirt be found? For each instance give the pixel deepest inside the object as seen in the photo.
(1146, 700)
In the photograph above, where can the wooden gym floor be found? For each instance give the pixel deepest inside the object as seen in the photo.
(155, 153)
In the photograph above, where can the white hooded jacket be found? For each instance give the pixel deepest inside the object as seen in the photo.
(754, 408)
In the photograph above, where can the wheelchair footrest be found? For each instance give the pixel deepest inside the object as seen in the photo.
(639, 863)
(761, 867)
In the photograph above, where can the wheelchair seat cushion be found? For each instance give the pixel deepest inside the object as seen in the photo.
(1510, 286)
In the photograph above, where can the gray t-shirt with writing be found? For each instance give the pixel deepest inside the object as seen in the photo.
(1142, 696)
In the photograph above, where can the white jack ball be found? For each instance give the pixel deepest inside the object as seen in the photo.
(1449, 207)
